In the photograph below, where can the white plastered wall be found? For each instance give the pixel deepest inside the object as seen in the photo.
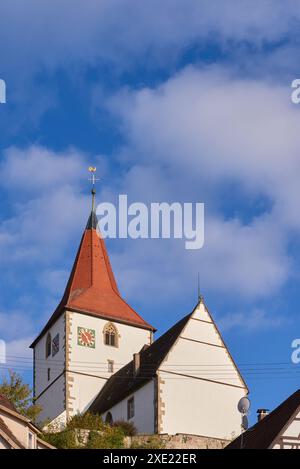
(52, 402)
(50, 394)
(56, 363)
(144, 414)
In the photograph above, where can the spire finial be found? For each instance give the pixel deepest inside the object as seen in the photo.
(93, 179)
(200, 297)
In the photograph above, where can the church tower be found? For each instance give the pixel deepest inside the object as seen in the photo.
(92, 333)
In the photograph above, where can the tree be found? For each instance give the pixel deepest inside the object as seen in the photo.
(19, 394)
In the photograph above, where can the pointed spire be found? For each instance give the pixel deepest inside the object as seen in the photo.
(92, 221)
(92, 288)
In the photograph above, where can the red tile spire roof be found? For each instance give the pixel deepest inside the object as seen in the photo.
(92, 287)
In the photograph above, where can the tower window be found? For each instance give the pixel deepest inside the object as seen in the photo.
(55, 345)
(49, 374)
(110, 334)
(130, 408)
(110, 366)
(48, 345)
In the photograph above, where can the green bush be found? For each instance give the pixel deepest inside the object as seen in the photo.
(86, 421)
(19, 394)
(62, 440)
(127, 427)
(100, 436)
(111, 438)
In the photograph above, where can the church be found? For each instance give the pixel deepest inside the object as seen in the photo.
(97, 354)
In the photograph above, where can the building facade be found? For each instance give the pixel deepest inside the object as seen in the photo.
(96, 353)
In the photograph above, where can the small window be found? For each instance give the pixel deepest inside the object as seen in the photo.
(130, 408)
(110, 335)
(49, 374)
(109, 419)
(48, 345)
(30, 441)
(110, 366)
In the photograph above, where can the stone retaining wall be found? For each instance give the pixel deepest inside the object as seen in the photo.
(178, 441)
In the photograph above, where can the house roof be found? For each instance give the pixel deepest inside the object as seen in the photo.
(264, 432)
(125, 381)
(92, 288)
(4, 402)
(8, 435)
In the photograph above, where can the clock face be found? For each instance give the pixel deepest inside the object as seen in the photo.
(86, 337)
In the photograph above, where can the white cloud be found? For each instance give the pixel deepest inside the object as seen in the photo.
(18, 353)
(250, 321)
(17, 330)
(10, 325)
(202, 131)
(49, 208)
(216, 125)
(239, 260)
(54, 281)
(122, 34)
(39, 169)
(120, 30)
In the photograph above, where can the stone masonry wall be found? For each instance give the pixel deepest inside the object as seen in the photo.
(180, 441)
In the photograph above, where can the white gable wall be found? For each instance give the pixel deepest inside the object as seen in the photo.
(199, 407)
(199, 386)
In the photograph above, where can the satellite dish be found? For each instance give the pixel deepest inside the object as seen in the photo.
(245, 423)
(243, 405)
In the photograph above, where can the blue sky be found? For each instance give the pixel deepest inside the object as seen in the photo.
(172, 101)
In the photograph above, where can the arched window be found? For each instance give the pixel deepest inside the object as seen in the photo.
(110, 335)
(109, 419)
(48, 345)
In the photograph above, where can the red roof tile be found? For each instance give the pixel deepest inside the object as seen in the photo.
(92, 287)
